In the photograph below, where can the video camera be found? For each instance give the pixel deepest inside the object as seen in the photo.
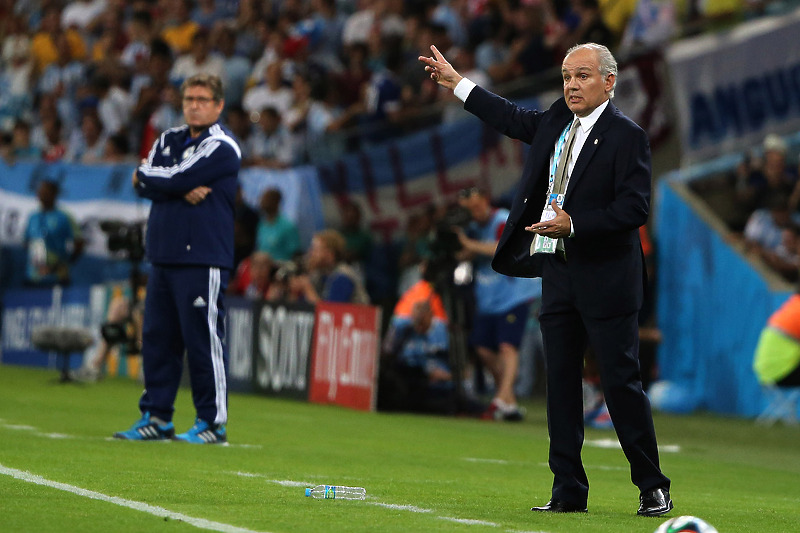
(443, 243)
(125, 237)
(286, 270)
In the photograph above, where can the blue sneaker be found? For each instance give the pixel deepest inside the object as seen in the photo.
(148, 428)
(204, 433)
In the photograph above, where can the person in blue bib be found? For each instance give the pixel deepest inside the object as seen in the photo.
(502, 303)
(53, 240)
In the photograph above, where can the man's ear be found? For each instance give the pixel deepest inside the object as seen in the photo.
(610, 82)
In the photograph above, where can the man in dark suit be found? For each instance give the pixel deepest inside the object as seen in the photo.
(584, 193)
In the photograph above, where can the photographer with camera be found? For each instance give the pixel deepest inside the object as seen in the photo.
(414, 372)
(123, 327)
(502, 303)
(329, 278)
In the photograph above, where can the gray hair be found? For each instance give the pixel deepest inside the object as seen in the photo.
(608, 65)
(209, 81)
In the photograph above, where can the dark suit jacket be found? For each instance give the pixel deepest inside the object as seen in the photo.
(608, 198)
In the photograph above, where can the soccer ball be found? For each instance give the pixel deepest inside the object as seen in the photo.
(686, 524)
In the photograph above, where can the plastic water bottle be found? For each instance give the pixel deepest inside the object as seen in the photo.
(337, 492)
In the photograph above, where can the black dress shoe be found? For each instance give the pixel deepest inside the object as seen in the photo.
(654, 502)
(560, 506)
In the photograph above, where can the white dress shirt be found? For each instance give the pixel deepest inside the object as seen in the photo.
(585, 126)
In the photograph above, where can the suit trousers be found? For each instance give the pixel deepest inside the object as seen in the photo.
(184, 312)
(566, 332)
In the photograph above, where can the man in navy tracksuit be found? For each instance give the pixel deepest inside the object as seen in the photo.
(191, 178)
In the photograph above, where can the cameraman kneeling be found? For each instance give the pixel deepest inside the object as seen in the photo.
(414, 374)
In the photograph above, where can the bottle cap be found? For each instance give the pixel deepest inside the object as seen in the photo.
(308, 492)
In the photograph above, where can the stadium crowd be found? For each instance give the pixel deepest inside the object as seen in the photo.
(759, 201)
(95, 80)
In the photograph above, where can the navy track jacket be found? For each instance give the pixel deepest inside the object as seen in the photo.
(179, 233)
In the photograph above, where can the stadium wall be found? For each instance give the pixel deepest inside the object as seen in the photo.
(712, 302)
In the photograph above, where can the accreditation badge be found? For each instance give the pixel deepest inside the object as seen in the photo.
(542, 244)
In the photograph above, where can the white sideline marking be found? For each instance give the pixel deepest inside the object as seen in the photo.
(614, 444)
(395, 507)
(284, 482)
(20, 427)
(201, 523)
(490, 461)
(35, 431)
(468, 521)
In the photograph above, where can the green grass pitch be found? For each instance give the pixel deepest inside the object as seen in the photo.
(60, 471)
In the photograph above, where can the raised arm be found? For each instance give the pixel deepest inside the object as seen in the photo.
(441, 71)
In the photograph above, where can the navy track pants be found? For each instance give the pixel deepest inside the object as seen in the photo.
(184, 312)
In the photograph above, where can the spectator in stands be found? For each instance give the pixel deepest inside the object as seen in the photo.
(250, 23)
(493, 50)
(502, 302)
(353, 80)
(80, 14)
(527, 54)
(585, 24)
(117, 150)
(270, 145)
(179, 28)
(276, 234)
(237, 67)
(87, 144)
(273, 93)
(199, 60)
(771, 233)
(245, 226)
(22, 148)
(150, 89)
(138, 31)
(383, 98)
(452, 15)
(53, 148)
(270, 45)
(44, 48)
(415, 247)
(328, 277)
(417, 88)
(238, 121)
(206, 14)
(111, 42)
(253, 277)
(328, 24)
(170, 112)
(358, 241)
(52, 238)
(373, 17)
(6, 150)
(415, 371)
(16, 74)
(63, 78)
(770, 181)
(463, 61)
(114, 103)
